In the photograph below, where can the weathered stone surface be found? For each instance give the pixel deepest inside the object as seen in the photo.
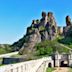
(32, 40)
(60, 30)
(43, 20)
(51, 19)
(68, 21)
(68, 28)
(16, 46)
(34, 22)
(40, 30)
(51, 26)
(44, 35)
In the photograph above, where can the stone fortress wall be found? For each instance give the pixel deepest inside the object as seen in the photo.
(63, 60)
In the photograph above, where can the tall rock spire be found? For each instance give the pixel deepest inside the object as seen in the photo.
(68, 21)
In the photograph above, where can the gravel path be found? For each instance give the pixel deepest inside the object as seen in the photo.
(61, 69)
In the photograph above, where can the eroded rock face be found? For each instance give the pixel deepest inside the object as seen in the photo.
(34, 22)
(51, 26)
(51, 19)
(68, 21)
(43, 20)
(40, 30)
(69, 32)
(68, 28)
(34, 38)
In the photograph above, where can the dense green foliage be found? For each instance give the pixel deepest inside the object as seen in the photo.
(5, 48)
(67, 40)
(2, 51)
(44, 48)
(50, 47)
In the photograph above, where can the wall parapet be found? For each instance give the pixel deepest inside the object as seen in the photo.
(38, 65)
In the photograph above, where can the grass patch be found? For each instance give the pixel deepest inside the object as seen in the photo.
(5, 50)
(50, 69)
(70, 69)
(17, 55)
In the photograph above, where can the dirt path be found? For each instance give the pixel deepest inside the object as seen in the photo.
(61, 69)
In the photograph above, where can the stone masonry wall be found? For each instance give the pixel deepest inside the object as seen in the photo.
(39, 65)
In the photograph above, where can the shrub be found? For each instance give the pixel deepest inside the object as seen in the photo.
(50, 47)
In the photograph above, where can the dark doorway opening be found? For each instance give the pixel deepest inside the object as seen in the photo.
(64, 64)
(49, 65)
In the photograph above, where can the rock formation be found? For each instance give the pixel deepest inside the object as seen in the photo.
(43, 20)
(40, 30)
(68, 21)
(68, 28)
(67, 32)
(28, 46)
(60, 30)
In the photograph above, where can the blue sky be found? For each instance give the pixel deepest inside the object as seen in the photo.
(16, 15)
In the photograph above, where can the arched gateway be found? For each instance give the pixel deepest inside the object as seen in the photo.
(63, 60)
(64, 64)
(49, 65)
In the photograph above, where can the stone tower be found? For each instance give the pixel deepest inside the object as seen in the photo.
(70, 59)
(57, 58)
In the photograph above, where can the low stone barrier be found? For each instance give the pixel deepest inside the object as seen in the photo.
(39, 65)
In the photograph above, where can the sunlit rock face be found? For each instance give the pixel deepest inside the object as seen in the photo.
(40, 30)
(43, 20)
(68, 21)
(68, 28)
(34, 38)
(51, 26)
(60, 31)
